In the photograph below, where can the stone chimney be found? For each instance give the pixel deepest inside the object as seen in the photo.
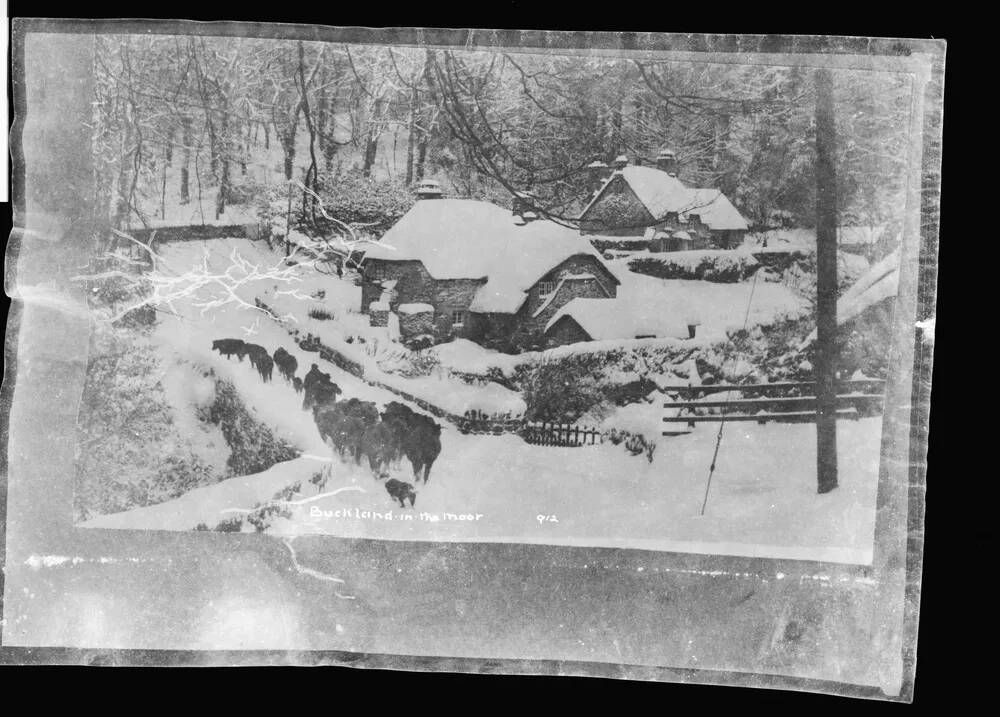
(429, 189)
(621, 161)
(666, 161)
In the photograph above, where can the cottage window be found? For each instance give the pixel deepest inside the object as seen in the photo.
(546, 287)
(376, 272)
(458, 318)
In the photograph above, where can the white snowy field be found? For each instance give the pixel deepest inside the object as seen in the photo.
(763, 499)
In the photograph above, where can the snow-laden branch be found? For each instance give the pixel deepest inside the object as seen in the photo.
(207, 287)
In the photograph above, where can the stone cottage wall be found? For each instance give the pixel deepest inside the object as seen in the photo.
(413, 324)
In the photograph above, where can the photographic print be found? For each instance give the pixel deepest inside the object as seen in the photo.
(308, 294)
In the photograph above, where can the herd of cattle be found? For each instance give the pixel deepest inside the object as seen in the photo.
(355, 429)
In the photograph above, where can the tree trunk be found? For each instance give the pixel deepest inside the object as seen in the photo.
(313, 169)
(826, 285)
(289, 160)
(373, 135)
(168, 152)
(163, 187)
(185, 159)
(411, 132)
(421, 158)
(371, 149)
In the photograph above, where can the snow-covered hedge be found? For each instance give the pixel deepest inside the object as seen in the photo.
(725, 266)
(625, 244)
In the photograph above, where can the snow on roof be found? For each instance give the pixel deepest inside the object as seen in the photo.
(715, 210)
(681, 235)
(414, 308)
(379, 306)
(619, 318)
(662, 193)
(469, 239)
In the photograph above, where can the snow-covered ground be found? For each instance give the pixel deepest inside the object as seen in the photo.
(763, 500)
(715, 307)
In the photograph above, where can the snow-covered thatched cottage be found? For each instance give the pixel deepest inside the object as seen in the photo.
(652, 202)
(488, 274)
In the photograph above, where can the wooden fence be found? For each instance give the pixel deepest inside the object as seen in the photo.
(783, 401)
(545, 433)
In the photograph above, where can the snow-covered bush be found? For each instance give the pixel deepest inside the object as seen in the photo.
(322, 314)
(352, 197)
(254, 447)
(554, 392)
(263, 516)
(129, 452)
(725, 266)
(419, 363)
(230, 525)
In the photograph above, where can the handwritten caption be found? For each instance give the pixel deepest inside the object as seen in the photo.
(359, 514)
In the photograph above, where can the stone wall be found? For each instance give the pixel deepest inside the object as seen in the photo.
(414, 323)
(415, 286)
(378, 314)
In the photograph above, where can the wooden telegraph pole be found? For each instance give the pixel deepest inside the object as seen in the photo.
(826, 285)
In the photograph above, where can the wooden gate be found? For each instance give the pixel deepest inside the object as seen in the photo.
(783, 401)
(546, 433)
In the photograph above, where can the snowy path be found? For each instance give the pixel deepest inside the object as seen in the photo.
(498, 488)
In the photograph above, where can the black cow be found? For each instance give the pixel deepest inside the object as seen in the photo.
(395, 409)
(328, 420)
(401, 491)
(229, 347)
(422, 445)
(418, 435)
(365, 410)
(264, 367)
(379, 443)
(256, 354)
(341, 430)
(286, 363)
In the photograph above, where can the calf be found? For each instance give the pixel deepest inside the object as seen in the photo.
(400, 491)
(229, 347)
(286, 363)
(297, 384)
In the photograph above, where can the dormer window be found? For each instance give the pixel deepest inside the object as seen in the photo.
(546, 287)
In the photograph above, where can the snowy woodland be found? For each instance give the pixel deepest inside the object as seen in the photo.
(313, 149)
